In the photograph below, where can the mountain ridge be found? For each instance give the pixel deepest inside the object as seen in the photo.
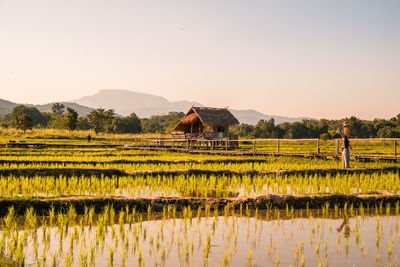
(6, 107)
(144, 105)
(161, 105)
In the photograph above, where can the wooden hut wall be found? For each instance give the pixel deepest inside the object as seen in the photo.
(217, 129)
(208, 128)
(196, 127)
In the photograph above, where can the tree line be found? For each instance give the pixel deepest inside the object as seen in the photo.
(99, 120)
(102, 120)
(324, 129)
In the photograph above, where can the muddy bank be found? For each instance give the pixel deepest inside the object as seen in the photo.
(81, 146)
(125, 161)
(73, 153)
(62, 172)
(43, 205)
(232, 152)
(321, 172)
(68, 172)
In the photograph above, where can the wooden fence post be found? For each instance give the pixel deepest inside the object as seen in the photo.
(212, 144)
(226, 145)
(187, 144)
(337, 146)
(254, 146)
(395, 149)
(318, 146)
(278, 146)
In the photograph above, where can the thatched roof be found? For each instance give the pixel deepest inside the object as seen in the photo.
(212, 116)
(221, 116)
(188, 119)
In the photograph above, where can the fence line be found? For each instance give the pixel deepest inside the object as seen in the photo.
(378, 147)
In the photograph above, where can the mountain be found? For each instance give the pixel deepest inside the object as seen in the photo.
(125, 102)
(7, 106)
(82, 110)
(145, 105)
(251, 116)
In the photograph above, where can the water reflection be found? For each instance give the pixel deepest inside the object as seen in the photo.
(296, 238)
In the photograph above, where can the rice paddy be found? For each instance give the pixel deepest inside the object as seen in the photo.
(107, 206)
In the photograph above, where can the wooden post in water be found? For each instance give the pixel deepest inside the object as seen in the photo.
(278, 146)
(318, 146)
(337, 146)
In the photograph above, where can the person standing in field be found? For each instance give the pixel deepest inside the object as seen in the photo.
(346, 145)
(89, 138)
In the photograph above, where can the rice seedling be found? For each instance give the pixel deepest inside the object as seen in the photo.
(193, 234)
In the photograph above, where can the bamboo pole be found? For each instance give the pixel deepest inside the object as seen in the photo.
(337, 146)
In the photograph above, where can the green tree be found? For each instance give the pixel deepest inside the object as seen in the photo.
(38, 119)
(389, 132)
(161, 123)
(57, 108)
(129, 124)
(71, 119)
(297, 130)
(101, 120)
(264, 129)
(57, 121)
(24, 122)
(83, 124)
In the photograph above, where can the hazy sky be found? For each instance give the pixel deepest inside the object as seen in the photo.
(299, 58)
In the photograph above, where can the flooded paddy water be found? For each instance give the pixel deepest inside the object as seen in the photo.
(206, 237)
(109, 207)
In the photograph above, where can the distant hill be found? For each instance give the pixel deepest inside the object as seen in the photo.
(251, 116)
(145, 105)
(125, 102)
(82, 110)
(7, 106)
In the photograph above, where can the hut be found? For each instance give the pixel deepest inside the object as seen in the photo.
(205, 123)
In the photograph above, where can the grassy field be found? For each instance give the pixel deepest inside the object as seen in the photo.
(107, 206)
(51, 136)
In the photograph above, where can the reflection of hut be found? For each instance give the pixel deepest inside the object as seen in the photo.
(207, 123)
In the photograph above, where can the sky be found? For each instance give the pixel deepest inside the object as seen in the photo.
(323, 59)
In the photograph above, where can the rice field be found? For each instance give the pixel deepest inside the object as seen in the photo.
(108, 206)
